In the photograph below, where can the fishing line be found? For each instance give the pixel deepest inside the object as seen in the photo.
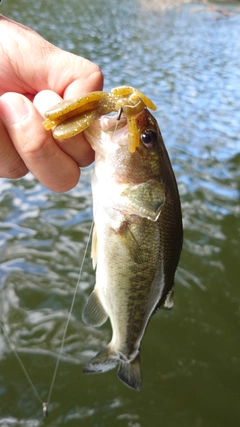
(68, 319)
(12, 347)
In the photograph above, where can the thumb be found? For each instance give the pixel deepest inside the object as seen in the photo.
(35, 146)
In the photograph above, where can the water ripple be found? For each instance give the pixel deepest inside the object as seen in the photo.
(188, 63)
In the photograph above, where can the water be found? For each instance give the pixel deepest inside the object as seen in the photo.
(189, 65)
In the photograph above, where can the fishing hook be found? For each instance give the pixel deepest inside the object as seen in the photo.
(119, 113)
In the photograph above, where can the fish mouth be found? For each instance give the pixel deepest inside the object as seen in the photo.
(112, 123)
(116, 129)
(107, 134)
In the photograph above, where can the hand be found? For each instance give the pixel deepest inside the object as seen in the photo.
(34, 76)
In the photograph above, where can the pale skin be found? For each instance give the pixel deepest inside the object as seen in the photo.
(34, 76)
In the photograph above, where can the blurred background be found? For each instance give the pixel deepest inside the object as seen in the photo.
(187, 60)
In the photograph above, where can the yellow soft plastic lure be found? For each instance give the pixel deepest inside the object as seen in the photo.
(68, 118)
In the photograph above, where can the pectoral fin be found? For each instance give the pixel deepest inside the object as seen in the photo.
(131, 244)
(93, 312)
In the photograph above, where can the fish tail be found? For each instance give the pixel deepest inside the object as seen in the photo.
(130, 372)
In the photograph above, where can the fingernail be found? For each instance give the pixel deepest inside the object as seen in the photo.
(13, 108)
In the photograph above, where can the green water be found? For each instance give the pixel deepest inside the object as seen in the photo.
(189, 65)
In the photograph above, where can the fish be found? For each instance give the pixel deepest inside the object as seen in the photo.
(137, 238)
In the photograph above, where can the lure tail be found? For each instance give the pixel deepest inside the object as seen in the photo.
(128, 371)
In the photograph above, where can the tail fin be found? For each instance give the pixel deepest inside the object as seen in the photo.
(130, 373)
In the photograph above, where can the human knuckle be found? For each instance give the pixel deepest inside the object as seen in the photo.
(36, 147)
(13, 170)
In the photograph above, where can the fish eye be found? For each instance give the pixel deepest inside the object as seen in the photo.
(149, 138)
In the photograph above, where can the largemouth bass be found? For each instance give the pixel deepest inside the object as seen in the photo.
(137, 238)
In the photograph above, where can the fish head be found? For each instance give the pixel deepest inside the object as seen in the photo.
(109, 139)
